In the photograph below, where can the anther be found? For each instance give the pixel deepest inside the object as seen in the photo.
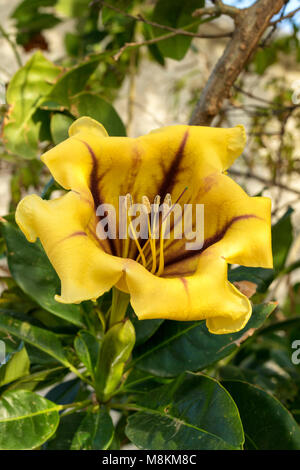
(147, 204)
(168, 200)
(128, 201)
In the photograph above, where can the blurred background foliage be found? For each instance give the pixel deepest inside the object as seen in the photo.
(108, 49)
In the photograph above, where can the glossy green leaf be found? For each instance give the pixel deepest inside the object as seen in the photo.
(25, 93)
(39, 380)
(17, 366)
(267, 424)
(68, 425)
(87, 347)
(194, 412)
(33, 272)
(89, 104)
(95, 432)
(59, 126)
(27, 420)
(42, 339)
(180, 346)
(139, 381)
(144, 329)
(65, 392)
(177, 14)
(282, 239)
(115, 350)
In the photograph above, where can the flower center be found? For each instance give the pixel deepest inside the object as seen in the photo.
(151, 253)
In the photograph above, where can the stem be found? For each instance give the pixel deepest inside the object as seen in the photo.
(120, 301)
(75, 406)
(125, 406)
(76, 372)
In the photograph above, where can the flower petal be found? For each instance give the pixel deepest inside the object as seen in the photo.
(83, 267)
(205, 295)
(237, 225)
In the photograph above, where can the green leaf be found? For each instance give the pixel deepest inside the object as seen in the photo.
(74, 8)
(177, 14)
(95, 432)
(17, 366)
(27, 420)
(282, 239)
(260, 276)
(65, 392)
(87, 347)
(33, 272)
(267, 424)
(144, 329)
(89, 104)
(26, 91)
(180, 346)
(138, 381)
(42, 339)
(194, 412)
(59, 126)
(108, 14)
(70, 84)
(39, 380)
(115, 350)
(68, 425)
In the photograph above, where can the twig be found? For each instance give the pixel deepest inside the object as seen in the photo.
(286, 17)
(251, 23)
(179, 31)
(142, 43)
(219, 9)
(265, 181)
(250, 95)
(12, 45)
(266, 40)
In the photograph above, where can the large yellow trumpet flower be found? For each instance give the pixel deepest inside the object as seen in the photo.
(186, 164)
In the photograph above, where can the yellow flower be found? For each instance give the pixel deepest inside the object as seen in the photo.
(163, 278)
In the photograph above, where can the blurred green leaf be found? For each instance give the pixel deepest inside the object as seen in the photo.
(282, 239)
(70, 84)
(59, 126)
(89, 104)
(177, 14)
(193, 412)
(26, 91)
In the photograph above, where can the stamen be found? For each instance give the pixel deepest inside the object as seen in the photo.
(152, 242)
(168, 200)
(147, 204)
(128, 205)
(167, 208)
